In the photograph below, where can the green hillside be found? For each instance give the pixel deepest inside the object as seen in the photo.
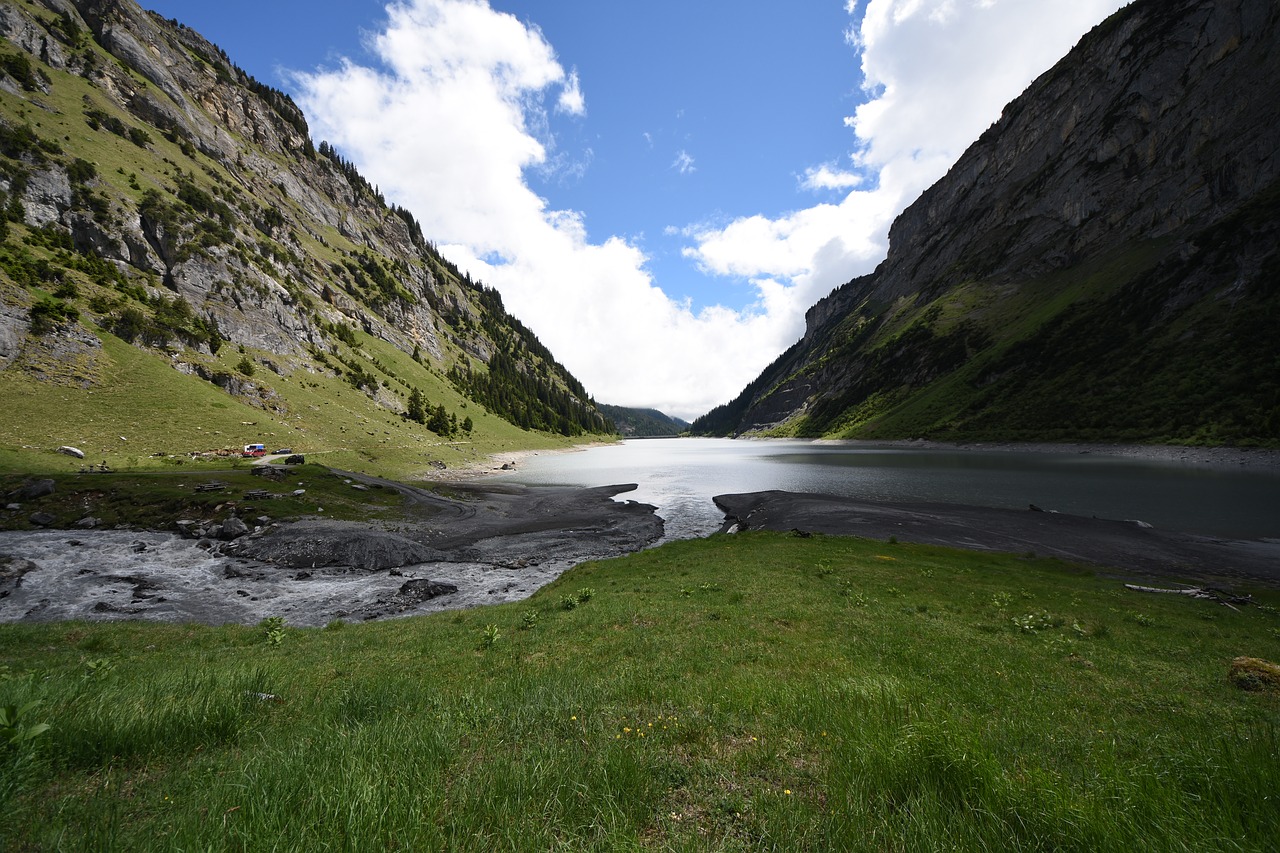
(177, 279)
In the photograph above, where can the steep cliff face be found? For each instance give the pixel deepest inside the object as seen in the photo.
(1116, 227)
(155, 192)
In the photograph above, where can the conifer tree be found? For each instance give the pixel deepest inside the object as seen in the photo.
(417, 408)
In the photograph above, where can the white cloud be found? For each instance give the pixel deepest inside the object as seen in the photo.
(827, 177)
(452, 118)
(936, 74)
(571, 98)
(683, 163)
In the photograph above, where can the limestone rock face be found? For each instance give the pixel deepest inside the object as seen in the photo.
(216, 196)
(1136, 179)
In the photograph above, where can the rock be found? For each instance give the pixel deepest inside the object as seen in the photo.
(425, 590)
(13, 507)
(71, 451)
(187, 527)
(305, 545)
(139, 547)
(12, 570)
(1255, 674)
(232, 528)
(88, 522)
(36, 489)
(14, 323)
(1141, 134)
(42, 519)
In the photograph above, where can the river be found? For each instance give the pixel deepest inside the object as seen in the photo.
(1174, 489)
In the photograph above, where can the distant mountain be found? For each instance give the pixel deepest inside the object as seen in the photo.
(1102, 264)
(162, 210)
(643, 423)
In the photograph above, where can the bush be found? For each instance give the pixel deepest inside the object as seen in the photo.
(49, 313)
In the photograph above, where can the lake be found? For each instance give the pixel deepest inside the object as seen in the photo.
(680, 477)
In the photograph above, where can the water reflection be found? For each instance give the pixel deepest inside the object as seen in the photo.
(680, 476)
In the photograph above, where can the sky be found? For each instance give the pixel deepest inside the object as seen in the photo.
(658, 189)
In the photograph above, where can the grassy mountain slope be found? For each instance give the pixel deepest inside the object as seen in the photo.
(1101, 264)
(181, 267)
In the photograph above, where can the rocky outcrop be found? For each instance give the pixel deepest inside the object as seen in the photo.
(272, 243)
(1129, 194)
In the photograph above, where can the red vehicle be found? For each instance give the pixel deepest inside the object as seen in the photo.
(254, 450)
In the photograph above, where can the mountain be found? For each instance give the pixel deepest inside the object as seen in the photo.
(1103, 263)
(181, 268)
(643, 423)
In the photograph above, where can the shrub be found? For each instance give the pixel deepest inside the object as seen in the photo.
(48, 313)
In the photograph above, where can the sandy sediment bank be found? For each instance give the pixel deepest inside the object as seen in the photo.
(497, 463)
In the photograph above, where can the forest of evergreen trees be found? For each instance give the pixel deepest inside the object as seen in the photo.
(528, 401)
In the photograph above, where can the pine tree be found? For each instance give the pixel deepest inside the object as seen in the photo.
(417, 408)
(439, 423)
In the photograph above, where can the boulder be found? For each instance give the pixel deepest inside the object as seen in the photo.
(12, 570)
(425, 590)
(232, 528)
(36, 489)
(71, 451)
(42, 519)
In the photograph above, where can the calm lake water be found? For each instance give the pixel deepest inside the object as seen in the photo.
(680, 476)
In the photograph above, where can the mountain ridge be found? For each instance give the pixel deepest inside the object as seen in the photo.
(156, 193)
(1129, 193)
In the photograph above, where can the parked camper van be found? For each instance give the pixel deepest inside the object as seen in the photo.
(255, 450)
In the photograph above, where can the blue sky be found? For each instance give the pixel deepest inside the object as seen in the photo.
(659, 189)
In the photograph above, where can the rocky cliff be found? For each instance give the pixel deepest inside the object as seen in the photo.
(155, 194)
(1101, 264)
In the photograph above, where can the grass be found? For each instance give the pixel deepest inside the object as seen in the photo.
(747, 692)
(141, 412)
(156, 499)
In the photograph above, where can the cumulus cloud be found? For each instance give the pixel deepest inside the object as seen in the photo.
(451, 118)
(936, 73)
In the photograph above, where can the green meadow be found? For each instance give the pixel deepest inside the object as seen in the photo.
(749, 692)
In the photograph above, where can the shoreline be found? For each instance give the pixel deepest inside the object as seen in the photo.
(1107, 544)
(493, 463)
(1261, 459)
(1253, 458)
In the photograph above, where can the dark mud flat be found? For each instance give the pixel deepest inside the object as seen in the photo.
(472, 523)
(1124, 545)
